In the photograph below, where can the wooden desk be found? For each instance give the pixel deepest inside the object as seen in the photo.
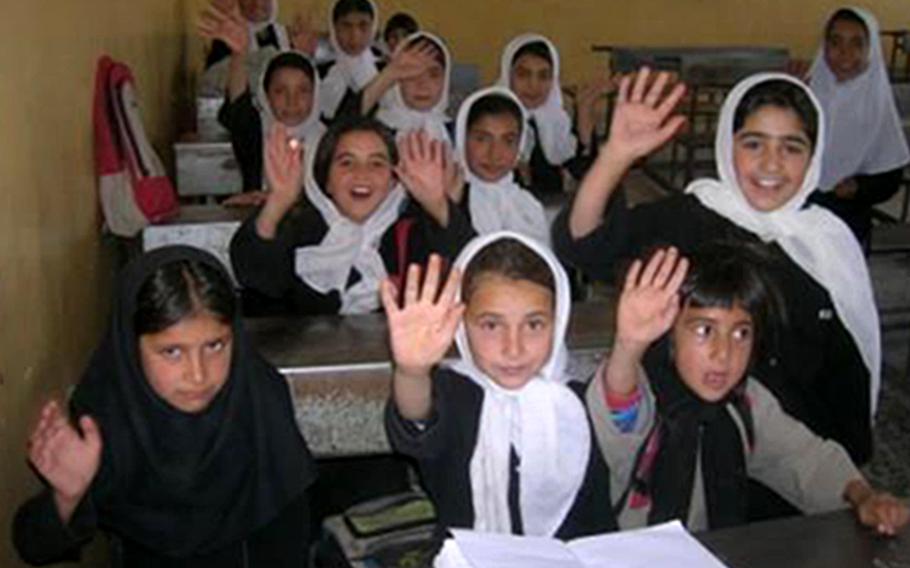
(833, 540)
(339, 371)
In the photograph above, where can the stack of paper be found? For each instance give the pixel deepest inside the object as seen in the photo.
(663, 545)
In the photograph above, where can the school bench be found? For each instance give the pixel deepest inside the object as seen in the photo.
(339, 371)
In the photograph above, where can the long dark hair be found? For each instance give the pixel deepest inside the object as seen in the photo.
(180, 289)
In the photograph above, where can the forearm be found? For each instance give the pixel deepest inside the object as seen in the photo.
(595, 192)
(237, 76)
(270, 217)
(621, 374)
(375, 89)
(857, 491)
(412, 392)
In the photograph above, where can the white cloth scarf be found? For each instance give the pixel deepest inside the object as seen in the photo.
(347, 246)
(554, 127)
(502, 205)
(396, 114)
(349, 71)
(544, 421)
(864, 131)
(281, 34)
(816, 240)
(309, 130)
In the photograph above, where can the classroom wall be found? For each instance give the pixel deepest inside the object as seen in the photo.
(54, 269)
(477, 30)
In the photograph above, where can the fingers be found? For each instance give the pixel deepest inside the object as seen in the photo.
(657, 88)
(632, 276)
(679, 276)
(669, 103)
(412, 284)
(625, 83)
(431, 280)
(452, 285)
(641, 82)
(389, 294)
(651, 268)
(666, 268)
(90, 432)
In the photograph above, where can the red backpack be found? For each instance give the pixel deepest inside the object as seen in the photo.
(132, 184)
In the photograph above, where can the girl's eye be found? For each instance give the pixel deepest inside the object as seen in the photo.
(488, 325)
(217, 345)
(511, 140)
(795, 149)
(172, 353)
(742, 334)
(537, 324)
(750, 144)
(702, 330)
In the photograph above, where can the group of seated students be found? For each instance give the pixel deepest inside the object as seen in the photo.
(746, 358)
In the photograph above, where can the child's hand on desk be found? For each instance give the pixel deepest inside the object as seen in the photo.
(223, 20)
(423, 169)
(877, 509)
(649, 301)
(422, 329)
(65, 458)
(643, 118)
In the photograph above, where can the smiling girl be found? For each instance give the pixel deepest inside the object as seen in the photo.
(501, 441)
(770, 142)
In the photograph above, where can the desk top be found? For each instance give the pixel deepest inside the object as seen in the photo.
(832, 540)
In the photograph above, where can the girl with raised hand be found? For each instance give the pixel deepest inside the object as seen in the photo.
(259, 23)
(530, 68)
(501, 441)
(180, 440)
(865, 147)
(825, 366)
(680, 420)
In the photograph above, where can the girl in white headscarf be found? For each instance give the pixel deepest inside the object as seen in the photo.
(530, 67)
(352, 25)
(503, 444)
(865, 147)
(355, 227)
(825, 364)
(489, 133)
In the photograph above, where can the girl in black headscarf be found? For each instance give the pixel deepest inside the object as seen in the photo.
(180, 440)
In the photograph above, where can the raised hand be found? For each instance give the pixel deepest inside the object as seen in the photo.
(303, 37)
(67, 460)
(421, 331)
(643, 118)
(586, 101)
(223, 20)
(422, 170)
(283, 166)
(410, 60)
(649, 302)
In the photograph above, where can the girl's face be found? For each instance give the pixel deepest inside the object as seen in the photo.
(424, 91)
(771, 153)
(492, 146)
(360, 175)
(846, 49)
(188, 363)
(509, 324)
(290, 94)
(353, 31)
(256, 10)
(712, 348)
(531, 79)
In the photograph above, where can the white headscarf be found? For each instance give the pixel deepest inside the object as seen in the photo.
(812, 237)
(544, 421)
(865, 135)
(502, 205)
(310, 129)
(281, 34)
(554, 127)
(394, 113)
(347, 246)
(349, 71)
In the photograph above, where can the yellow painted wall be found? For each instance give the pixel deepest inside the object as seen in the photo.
(477, 30)
(54, 270)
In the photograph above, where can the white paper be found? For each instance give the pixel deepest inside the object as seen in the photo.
(667, 545)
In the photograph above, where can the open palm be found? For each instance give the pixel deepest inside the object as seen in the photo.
(421, 331)
(650, 297)
(643, 118)
(283, 165)
(223, 20)
(66, 459)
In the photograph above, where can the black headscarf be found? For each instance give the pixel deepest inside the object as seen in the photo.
(688, 426)
(185, 484)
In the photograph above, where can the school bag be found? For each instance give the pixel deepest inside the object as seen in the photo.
(132, 185)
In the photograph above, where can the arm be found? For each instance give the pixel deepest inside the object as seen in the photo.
(421, 332)
(642, 122)
(222, 20)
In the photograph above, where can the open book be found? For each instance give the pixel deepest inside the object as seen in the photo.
(663, 545)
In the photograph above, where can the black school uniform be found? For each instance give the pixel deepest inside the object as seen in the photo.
(265, 268)
(547, 178)
(444, 448)
(265, 38)
(241, 118)
(350, 102)
(871, 190)
(814, 368)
